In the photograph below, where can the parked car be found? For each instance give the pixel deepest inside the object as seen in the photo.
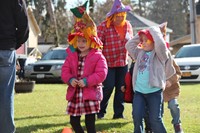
(188, 59)
(48, 68)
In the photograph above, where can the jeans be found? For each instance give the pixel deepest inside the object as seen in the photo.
(115, 78)
(153, 102)
(175, 111)
(7, 82)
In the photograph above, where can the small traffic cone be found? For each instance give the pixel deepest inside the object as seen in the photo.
(67, 130)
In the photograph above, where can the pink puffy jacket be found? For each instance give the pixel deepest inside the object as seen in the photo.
(95, 72)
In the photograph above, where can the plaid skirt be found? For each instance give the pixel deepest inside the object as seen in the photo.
(78, 106)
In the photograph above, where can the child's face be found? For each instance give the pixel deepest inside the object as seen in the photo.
(82, 44)
(147, 45)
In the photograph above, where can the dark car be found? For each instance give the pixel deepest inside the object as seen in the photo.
(48, 68)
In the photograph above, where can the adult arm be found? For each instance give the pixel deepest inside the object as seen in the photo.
(22, 29)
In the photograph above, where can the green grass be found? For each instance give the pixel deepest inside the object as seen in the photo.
(43, 111)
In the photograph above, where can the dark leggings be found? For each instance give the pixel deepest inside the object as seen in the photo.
(89, 122)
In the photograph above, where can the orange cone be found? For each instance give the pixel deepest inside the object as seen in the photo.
(67, 130)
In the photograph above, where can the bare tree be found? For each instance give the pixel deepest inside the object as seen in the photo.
(53, 20)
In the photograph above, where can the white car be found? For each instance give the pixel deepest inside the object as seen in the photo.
(188, 59)
(48, 68)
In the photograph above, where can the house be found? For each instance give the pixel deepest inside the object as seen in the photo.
(185, 40)
(139, 23)
(32, 43)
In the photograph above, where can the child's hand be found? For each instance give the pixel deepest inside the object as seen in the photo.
(74, 82)
(123, 88)
(168, 84)
(81, 83)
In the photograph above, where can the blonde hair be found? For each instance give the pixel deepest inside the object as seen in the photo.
(112, 18)
(90, 43)
(85, 27)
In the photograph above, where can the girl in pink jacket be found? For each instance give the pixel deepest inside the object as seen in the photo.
(84, 71)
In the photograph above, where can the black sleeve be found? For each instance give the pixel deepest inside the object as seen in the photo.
(22, 29)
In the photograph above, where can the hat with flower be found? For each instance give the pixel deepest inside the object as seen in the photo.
(85, 27)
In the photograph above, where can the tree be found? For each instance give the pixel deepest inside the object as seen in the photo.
(175, 12)
(141, 7)
(49, 18)
(171, 11)
(53, 21)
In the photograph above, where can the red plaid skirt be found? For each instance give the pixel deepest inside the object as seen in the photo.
(78, 106)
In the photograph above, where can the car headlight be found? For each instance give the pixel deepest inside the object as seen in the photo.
(57, 67)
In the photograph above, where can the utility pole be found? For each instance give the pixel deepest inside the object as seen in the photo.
(193, 21)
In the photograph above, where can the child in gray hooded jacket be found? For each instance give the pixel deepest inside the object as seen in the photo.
(153, 67)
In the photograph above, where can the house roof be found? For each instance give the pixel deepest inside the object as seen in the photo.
(139, 22)
(181, 40)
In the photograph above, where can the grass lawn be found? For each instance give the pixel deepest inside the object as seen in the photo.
(43, 111)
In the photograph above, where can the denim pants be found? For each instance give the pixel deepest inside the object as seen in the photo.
(175, 111)
(7, 81)
(115, 78)
(153, 102)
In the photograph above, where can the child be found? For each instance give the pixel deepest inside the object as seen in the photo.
(171, 94)
(149, 77)
(84, 70)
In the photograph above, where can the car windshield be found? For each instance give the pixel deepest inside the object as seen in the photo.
(186, 52)
(55, 55)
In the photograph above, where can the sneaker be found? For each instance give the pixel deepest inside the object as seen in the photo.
(148, 131)
(178, 129)
(118, 117)
(100, 116)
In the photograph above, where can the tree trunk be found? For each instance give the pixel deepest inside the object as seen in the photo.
(91, 6)
(53, 20)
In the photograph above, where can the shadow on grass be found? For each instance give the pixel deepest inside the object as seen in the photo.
(36, 127)
(102, 127)
(36, 117)
(32, 128)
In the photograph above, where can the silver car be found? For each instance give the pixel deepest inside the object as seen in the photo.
(48, 68)
(188, 59)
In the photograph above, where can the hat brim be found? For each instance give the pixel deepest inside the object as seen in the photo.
(72, 35)
(95, 41)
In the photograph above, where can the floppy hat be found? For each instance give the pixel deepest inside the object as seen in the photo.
(118, 7)
(84, 27)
